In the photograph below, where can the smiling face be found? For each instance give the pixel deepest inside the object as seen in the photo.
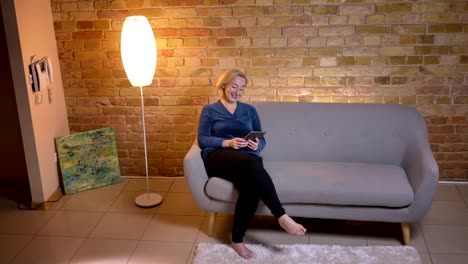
(233, 90)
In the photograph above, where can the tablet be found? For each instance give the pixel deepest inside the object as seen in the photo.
(254, 134)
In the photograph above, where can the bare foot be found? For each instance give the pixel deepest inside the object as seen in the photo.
(293, 228)
(242, 250)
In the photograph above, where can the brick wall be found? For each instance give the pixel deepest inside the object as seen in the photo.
(405, 52)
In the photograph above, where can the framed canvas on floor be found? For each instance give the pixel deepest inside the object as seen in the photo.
(88, 160)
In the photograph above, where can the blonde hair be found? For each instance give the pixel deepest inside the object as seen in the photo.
(227, 77)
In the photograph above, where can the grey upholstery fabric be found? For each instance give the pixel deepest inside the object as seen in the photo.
(373, 133)
(371, 184)
(341, 161)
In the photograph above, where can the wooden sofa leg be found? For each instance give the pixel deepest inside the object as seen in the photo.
(405, 227)
(211, 223)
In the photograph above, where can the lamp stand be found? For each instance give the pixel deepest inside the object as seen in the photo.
(147, 199)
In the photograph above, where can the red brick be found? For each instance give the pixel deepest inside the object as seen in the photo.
(440, 129)
(80, 119)
(163, 119)
(167, 82)
(87, 35)
(167, 171)
(461, 129)
(175, 2)
(100, 119)
(356, 9)
(165, 32)
(228, 2)
(424, 90)
(198, 32)
(453, 165)
(57, 25)
(437, 138)
(451, 156)
(112, 14)
(454, 174)
(165, 53)
(85, 24)
(229, 32)
(118, 120)
(118, 101)
(438, 120)
(456, 138)
(113, 54)
(190, 52)
(199, 2)
(453, 147)
(63, 35)
(109, 35)
(457, 120)
(132, 119)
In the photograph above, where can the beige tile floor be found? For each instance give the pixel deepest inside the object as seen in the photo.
(104, 226)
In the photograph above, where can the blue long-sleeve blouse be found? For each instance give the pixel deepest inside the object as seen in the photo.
(217, 124)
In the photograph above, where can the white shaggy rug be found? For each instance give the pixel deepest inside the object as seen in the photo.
(310, 254)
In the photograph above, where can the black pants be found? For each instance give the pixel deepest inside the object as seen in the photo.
(252, 181)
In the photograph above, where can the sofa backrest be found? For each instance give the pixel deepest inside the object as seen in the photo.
(376, 133)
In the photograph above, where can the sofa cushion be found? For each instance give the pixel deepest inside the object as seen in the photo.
(337, 183)
(329, 132)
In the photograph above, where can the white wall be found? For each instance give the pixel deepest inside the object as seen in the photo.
(30, 32)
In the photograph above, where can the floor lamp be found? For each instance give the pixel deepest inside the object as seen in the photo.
(139, 56)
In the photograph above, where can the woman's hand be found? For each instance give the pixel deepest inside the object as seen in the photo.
(253, 144)
(235, 143)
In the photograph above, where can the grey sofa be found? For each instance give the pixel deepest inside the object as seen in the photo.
(369, 162)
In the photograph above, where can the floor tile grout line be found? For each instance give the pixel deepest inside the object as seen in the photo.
(424, 237)
(430, 257)
(77, 250)
(191, 250)
(459, 193)
(33, 236)
(107, 212)
(24, 247)
(48, 222)
(84, 238)
(95, 225)
(458, 187)
(116, 197)
(147, 227)
(140, 240)
(133, 252)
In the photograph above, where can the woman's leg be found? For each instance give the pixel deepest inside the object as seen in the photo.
(264, 187)
(230, 165)
(251, 180)
(227, 164)
(244, 211)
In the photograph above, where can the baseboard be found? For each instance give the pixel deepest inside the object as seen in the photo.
(54, 197)
(454, 182)
(182, 177)
(152, 177)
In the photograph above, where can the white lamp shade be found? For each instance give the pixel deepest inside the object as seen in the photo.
(138, 50)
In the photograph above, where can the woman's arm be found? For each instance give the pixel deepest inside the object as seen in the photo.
(205, 137)
(257, 126)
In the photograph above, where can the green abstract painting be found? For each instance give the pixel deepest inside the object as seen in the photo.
(88, 160)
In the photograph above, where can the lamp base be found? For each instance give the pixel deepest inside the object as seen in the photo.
(147, 200)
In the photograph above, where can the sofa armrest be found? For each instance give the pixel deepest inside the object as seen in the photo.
(423, 175)
(196, 177)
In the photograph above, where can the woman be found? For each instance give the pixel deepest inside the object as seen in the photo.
(227, 155)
